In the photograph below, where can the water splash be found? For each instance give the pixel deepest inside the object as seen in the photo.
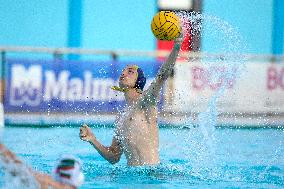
(224, 64)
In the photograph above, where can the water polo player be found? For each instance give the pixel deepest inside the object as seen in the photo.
(136, 129)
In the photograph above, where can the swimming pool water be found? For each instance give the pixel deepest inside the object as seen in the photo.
(227, 158)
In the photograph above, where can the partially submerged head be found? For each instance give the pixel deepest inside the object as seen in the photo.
(132, 77)
(68, 170)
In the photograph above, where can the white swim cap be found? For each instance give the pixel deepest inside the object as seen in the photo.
(68, 170)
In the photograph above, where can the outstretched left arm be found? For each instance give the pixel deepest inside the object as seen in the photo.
(7, 156)
(44, 180)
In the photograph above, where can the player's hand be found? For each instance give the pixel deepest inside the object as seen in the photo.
(86, 133)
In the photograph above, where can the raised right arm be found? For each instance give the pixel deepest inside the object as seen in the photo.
(151, 94)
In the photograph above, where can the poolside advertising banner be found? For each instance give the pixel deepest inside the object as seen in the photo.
(80, 91)
(66, 86)
(249, 88)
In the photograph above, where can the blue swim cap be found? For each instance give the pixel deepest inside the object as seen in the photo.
(141, 79)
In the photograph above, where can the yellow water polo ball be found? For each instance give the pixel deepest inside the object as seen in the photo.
(166, 25)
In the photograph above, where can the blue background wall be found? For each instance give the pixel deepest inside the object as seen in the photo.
(120, 24)
(252, 19)
(124, 24)
(106, 24)
(34, 23)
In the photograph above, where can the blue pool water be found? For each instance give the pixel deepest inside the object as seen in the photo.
(228, 158)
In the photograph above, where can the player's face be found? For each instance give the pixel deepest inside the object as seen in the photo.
(128, 77)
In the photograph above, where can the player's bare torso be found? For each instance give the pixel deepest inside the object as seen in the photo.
(136, 130)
